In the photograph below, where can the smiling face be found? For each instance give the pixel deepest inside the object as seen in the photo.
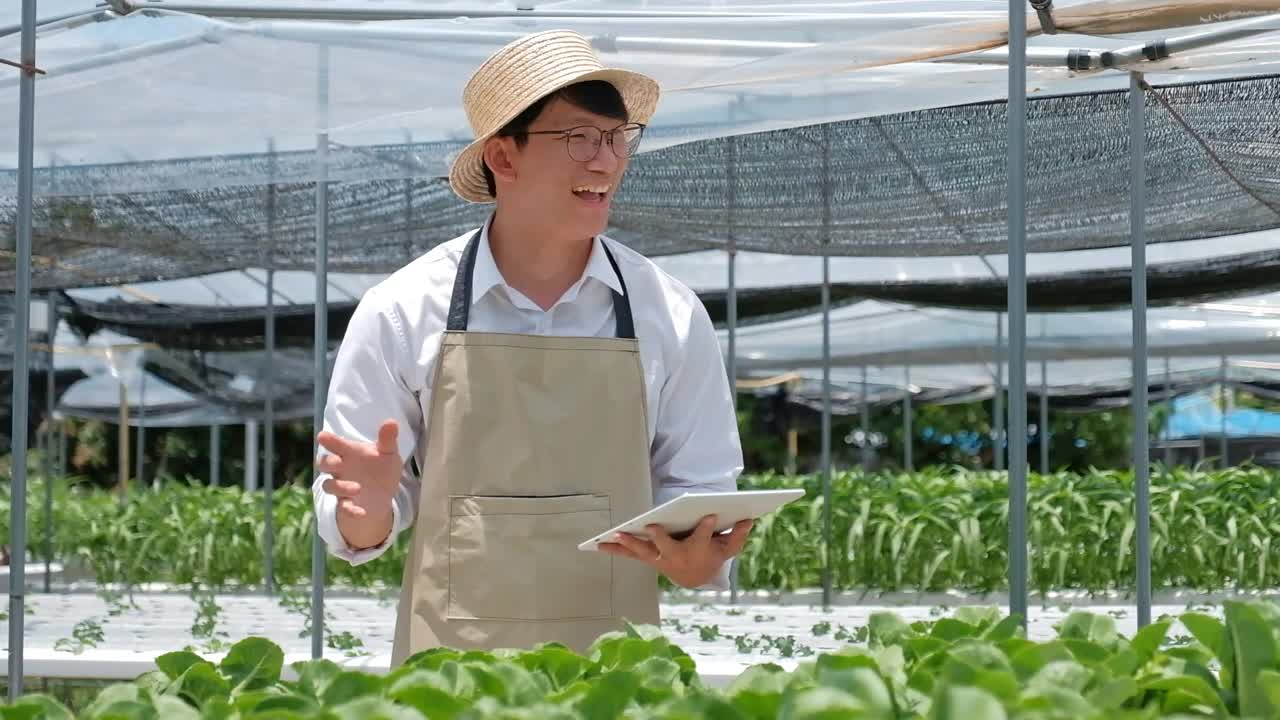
(536, 174)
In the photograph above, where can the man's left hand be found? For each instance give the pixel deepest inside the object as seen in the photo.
(689, 563)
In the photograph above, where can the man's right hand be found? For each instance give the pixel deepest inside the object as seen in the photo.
(364, 477)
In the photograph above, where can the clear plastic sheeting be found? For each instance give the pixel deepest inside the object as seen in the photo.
(1063, 378)
(181, 388)
(151, 402)
(707, 270)
(886, 334)
(163, 85)
(1071, 385)
(240, 288)
(227, 310)
(154, 403)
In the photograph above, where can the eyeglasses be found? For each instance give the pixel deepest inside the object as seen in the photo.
(583, 142)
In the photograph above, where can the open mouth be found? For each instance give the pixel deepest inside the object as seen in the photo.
(592, 194)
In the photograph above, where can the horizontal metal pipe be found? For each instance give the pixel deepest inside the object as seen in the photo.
(120, 56)
(45, 23)
(1161, 49)
(408, 12)
(1076, 59)
(1094, 60)
(338, 33)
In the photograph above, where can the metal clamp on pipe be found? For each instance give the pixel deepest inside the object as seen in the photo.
(1044, 9)
(1083, 60)
(1158, 50)
(28, 69)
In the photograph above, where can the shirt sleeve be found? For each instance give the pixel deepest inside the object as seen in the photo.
(367, 387)
(696, 446)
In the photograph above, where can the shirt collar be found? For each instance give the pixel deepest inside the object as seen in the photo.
(487, 276)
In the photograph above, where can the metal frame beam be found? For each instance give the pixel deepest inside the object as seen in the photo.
(21, 349)
(1137, 230)
(407, 11)
(1090, 60)
(1017, 310)
(321, 347)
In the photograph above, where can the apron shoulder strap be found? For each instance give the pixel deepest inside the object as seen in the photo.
(460, 302)
(625, 326)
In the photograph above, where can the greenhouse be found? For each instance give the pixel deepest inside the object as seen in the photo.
(996, 284)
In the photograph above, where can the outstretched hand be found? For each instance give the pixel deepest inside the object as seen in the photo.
(364, 476)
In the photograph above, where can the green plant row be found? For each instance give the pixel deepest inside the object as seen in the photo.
(974, 666)
(939, 529)
(948, 528)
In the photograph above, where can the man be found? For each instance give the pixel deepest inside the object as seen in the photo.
(549, 382)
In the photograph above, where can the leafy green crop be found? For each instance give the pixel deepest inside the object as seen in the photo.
(975, 665)
(948, 529)
(934, 530)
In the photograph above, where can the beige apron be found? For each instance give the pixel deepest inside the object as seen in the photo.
(535, 444)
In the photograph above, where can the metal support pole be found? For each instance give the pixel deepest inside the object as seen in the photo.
(826, 432)
(251, 455)
(215, 456)
(269, 381)
(141, 449)
(1017, 310)
(866, 423)
(1044, 416)
(1168, 407)
(63, 444)
(827, 579)
(51, 441)
(731, 360)
(731, 310)
(997, 425)
(21, 351)
(408, 205)
(1222, 441)
(321, 348)
(1137, 231)
(908, 456)
(124, 440)
(269, 443)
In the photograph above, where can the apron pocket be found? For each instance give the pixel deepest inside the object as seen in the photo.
(517, 558)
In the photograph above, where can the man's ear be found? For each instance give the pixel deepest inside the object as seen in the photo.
(498, 155)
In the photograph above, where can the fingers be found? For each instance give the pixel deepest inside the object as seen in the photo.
(387, 433)
(642, 550)
(737, 538)
(348, 507)
(705, 529)
(617, 549)
(385, 443)
(341, 488)
(335, 444)
(665, 544)
(331, 464)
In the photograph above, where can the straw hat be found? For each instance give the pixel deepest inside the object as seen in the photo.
(519, 75)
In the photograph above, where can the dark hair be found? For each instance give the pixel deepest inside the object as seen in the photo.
(594, 96)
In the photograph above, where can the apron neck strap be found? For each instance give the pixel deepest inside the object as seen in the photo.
(460, 304)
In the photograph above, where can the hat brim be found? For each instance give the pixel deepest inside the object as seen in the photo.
(639, 93)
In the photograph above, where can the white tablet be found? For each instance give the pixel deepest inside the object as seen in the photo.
(682, 514)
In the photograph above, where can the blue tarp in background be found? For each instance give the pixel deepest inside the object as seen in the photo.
(1197, 415)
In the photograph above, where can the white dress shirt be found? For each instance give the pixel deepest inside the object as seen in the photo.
(383, 368)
